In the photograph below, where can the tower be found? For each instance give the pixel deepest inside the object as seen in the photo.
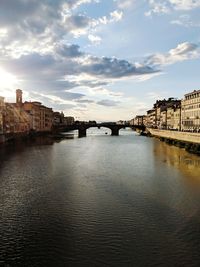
(19, 96)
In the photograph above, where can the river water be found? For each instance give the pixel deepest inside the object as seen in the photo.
(99, 201)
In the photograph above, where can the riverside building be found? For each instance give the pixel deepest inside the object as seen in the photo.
(13, 119)
(164, 112)
(40, 116)
(151, 118)
(19, 117)
(2, 110)
(190, 111)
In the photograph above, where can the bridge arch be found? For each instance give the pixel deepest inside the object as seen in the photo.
(114, 128)
(98, 130)
(84, 128)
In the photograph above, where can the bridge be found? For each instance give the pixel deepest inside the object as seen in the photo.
(82, 127)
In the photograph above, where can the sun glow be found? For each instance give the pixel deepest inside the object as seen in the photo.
(7, 82)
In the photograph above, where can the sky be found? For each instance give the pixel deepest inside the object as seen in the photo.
(103, 60)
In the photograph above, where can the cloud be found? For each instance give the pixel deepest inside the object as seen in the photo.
(105, 91)
(36, 26)
(125, 4)
(56, 74)
(157, 7)
(92, 83)
(68, 51)
(185, 4)
(85, 101)
(48, 75)
(183, 51)
(108, 103)
(116, 15)
(78, 24)
(167, 6)
(186, 21)
(113, 68)
(94, 39)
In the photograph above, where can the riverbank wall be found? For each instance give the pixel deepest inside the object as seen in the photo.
(187, 140)
(12, 137)
(2, 139)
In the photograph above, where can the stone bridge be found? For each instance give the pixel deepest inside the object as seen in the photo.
(82, 128)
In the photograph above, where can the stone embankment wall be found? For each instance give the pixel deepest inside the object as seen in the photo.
(2, 139)
(175, 135)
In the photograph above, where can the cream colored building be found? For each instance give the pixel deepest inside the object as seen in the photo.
(151, 118)
(140, 120)
(173, 118)
(190, 111)
(163, 118)
(162, 107)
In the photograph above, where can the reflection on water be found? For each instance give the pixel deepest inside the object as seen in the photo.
(99, 201)
(186, 162)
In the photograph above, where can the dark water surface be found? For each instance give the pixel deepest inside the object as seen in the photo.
(99, 201)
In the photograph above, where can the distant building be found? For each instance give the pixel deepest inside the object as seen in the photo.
(131, 122)
(140, 120)
(69, 120)
(121, 122)
(58, 118)
(151, 118)
(173, 117)
(161, 108)
(190, 111)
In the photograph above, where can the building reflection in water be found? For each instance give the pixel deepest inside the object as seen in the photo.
(186, 184)
(187, 163)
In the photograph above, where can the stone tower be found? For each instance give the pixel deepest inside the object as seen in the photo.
(19, 97)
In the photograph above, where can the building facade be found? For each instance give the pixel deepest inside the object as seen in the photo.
(68, 120)
(2, 111)
(190, 112)
(58, 118)
(151, 118)
(40, 116)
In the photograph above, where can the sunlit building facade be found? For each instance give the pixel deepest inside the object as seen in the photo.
(151, 118)
(40, 116)
(190, 111)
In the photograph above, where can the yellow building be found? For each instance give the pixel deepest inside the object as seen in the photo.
(40, 117)
(13, 119)
(22, 117)
(16, 119)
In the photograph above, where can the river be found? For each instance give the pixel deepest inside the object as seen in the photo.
(102, 200)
